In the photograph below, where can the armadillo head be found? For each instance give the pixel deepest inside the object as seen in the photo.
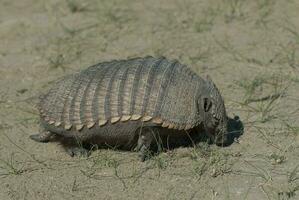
(215, 118)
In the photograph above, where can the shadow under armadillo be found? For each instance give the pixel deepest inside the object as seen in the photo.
(165, 139)
(235, 130)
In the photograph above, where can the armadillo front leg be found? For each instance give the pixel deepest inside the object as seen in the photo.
(147, 135)
(43, 136)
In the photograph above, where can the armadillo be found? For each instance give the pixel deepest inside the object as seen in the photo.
(130, 103)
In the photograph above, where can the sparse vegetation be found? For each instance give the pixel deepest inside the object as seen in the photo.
(10, 167)
(249, 48)
(234, 10)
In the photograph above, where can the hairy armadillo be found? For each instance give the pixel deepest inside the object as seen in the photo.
(129, 103)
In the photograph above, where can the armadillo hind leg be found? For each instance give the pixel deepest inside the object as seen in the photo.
(44, 136)
(147, 137)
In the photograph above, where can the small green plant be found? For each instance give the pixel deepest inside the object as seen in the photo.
(234, 10)
(10, 166)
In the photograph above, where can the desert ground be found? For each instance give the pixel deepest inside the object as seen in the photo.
(250, 48)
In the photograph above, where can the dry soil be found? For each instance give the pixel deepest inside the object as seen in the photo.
(249, 47)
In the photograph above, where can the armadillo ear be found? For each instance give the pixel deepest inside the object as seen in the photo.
(207, 104)
(209, 80)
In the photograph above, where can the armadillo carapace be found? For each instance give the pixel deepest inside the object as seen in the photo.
(129, 103)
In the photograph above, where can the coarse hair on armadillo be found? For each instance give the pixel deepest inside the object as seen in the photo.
(148, 89)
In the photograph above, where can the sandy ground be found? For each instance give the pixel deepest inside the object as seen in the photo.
(250, 49)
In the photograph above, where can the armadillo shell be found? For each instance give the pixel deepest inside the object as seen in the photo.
(148, 89)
